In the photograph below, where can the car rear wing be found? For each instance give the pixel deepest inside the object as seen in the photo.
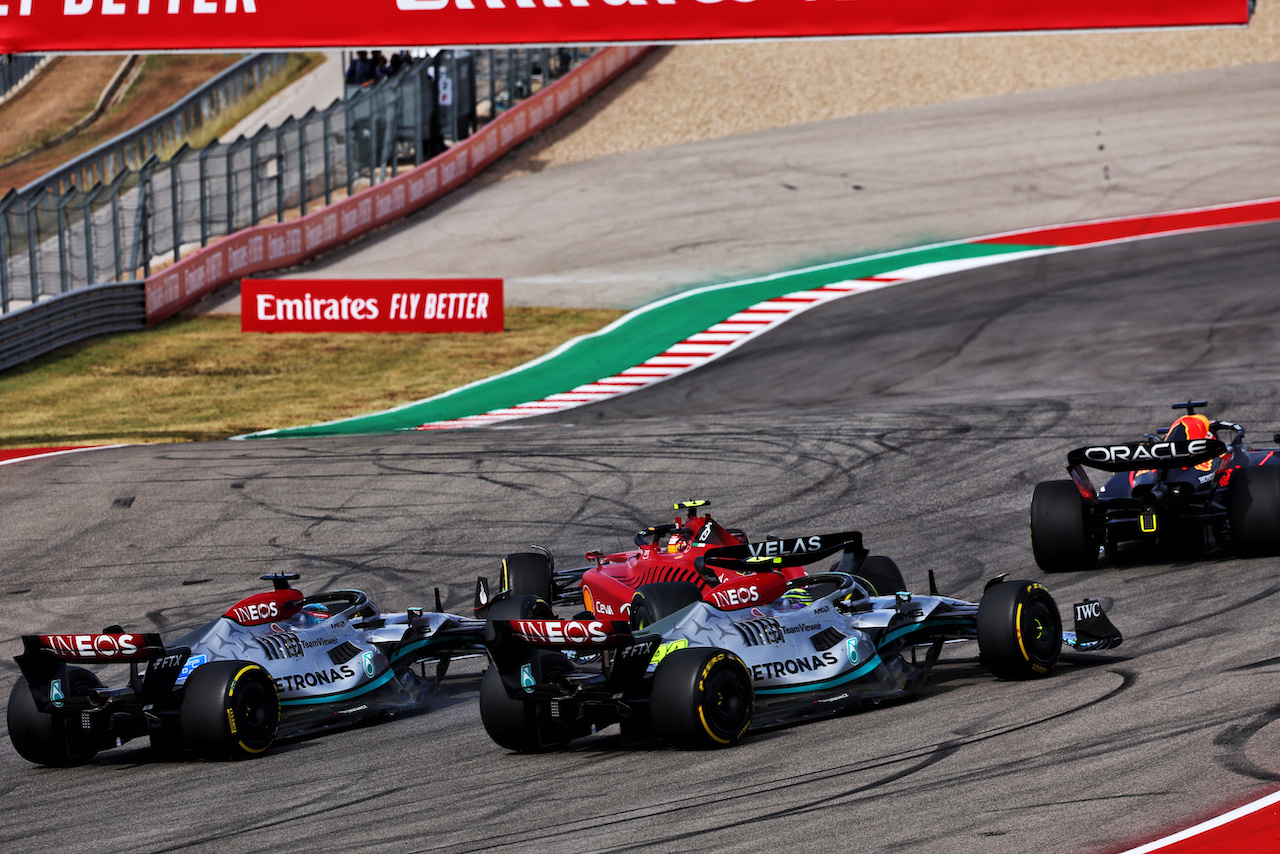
(514, 645)
(101, 648)
(45, 658)
(779, 552)
(1136, 456)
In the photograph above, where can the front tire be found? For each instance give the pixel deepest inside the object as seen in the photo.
(1019, 630)
(1253, 508)
(701, 698)
(1060, 540)
(48, 739)
(230, 710)
(883, 575)
(528, 573)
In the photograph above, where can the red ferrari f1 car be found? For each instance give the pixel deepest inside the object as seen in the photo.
(678, 552)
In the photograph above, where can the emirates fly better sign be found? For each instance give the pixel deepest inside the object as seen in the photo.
(34, 26)
(371, 305)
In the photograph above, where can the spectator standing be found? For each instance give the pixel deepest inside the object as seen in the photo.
(361, 69)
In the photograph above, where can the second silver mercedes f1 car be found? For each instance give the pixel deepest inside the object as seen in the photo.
(702, 672)
(274, 665)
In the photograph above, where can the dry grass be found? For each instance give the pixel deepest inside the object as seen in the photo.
(163, 80)
(201, 378)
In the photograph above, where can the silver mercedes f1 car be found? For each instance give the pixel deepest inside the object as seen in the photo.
(275, 665)
(702, 671)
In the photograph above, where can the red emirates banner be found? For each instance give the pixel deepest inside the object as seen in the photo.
(371, 305)
(36, 26)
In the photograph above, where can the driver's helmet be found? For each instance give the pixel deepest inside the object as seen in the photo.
(794, 599)
(313, 614)
(1188, 428)
(677, 543)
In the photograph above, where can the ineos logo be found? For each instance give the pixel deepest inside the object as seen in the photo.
(93, 646)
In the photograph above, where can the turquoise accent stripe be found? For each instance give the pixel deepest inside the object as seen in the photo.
(866, 668)
(345, 695)
(927, 624)
(417, 644)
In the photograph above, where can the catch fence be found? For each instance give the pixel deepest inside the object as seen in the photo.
(15, 67)
(130, 211)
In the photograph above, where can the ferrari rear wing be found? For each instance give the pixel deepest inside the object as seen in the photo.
(779, 552)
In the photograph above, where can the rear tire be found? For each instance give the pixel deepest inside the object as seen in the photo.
(515, 724)
(652, 602)
(1253, 508)
(701, 698)
(883, 574)
(1059, 539)
(1019, 630)
(528, 573)
(47, 739)
(230, 710)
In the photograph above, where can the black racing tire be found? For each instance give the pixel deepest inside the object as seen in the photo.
(1253, 510)
(883, 575)
(1019, 630)
(44, 738)
(701, 698)
(651, 602)
(230, 710)
(1060, 539)
(522, 607)
(528, 573)
(516, 724)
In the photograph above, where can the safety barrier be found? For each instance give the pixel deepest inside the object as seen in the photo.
(41, 328)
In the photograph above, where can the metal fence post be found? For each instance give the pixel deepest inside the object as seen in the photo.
(203, 178)
(302, 164)
(64, 273)
(253, 180)
(142, 220)
(231, 185)
(33, 258)
(91, 272)
(114, 189)
(328, 156)
(5, 203)
(175, 213)
(349, 144)
(280, 170)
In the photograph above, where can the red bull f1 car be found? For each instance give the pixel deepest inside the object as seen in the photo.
(1194, 488)
(678, 552)
(275, 665)
(702, 672)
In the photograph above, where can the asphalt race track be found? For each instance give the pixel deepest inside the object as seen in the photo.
(921, 414)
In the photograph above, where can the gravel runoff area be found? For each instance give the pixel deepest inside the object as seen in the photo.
(695, 92)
